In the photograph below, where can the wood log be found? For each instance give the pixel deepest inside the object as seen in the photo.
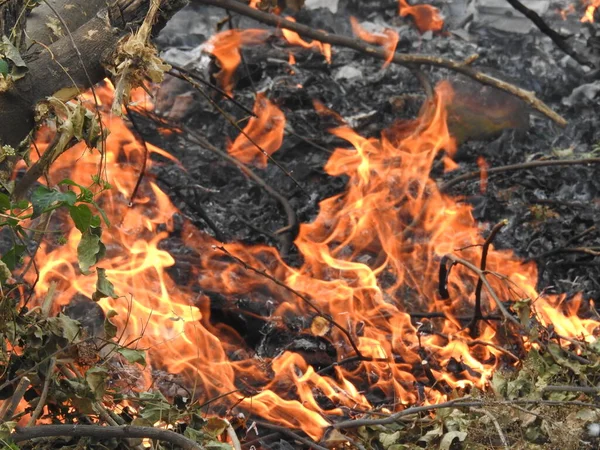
(59, 65)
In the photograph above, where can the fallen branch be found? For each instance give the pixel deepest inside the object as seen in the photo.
(464, 402)
(380, 53)
(521, 166)
(126, 432)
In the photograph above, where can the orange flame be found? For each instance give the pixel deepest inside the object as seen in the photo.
(266, 130)
(225, 46)
(370, 262)
(294, 38)
(388, 40)
(426, 17)
(590, 10)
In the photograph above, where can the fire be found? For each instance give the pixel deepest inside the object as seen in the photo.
(294, 38)
(225, 46)
(590, 10)
(267, 128)
(371, 259)
(426, 17)
(388, 39)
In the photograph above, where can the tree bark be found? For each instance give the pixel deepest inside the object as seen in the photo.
(60, 65)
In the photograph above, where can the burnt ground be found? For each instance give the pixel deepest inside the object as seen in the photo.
(546, 207)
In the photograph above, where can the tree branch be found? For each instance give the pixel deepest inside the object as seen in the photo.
(125, 432)
(380, 53)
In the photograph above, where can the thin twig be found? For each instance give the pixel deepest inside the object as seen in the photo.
(488, 287)
(126, 432)
(496, 424)
(380, 53)
(138, 135)
(191, 78)
(10, 406)
(521, 166)
(44, 395)
(557, 38)
(464, 402)
(584, 389)
(477, 314)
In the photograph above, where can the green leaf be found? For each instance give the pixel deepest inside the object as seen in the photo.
(102, 213)
(86, 195)
(82, 216)
(133, 356)
(89, 250)
(42, 198)
(12, 257)
(4, 202)
(64, 326)
(96, 379)
(104, 288)
(3, 67)
(110, 329)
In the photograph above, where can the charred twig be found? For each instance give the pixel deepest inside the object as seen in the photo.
(292, 225)
(472, 343)
(488, 287)
(126, 432)
(477, 314)
(304, 298)
(193, 79)
(580, 235)
(521, 166)
(289, 433)
(138, 135)
(380, 53)
(558, 39)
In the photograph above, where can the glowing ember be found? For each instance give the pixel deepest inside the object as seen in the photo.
(265, 130)
(388, 39)
(294, 38)
(426, 17)
(371, 258)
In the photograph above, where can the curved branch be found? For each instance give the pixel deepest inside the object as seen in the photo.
(380, 53)
(125, 432)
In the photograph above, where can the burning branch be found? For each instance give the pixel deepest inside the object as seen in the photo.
(398, 58)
